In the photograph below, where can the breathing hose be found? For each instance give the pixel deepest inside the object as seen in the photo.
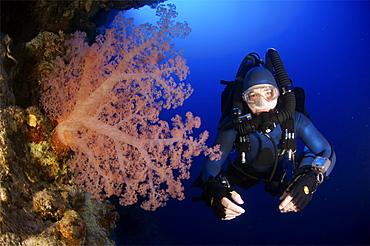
(276, 157)
(286, 86)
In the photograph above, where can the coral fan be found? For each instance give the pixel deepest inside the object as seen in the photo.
(107, 98)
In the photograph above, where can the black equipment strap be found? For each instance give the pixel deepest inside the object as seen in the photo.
(237, 98)
(289, 142)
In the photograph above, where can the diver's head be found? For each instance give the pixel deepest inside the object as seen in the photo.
(260, 90)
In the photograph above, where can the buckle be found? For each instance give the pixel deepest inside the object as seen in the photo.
(286, 89)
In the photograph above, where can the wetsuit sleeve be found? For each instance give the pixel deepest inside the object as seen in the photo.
(315, 143)
(226, 140)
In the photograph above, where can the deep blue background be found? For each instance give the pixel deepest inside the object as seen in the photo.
(325, 47)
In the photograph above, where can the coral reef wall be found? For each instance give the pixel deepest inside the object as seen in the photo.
(23, 20)
(39, 205)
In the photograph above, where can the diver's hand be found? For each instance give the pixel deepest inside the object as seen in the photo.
(222, 199)
(231, 209)
(299, 193)
(287, 205)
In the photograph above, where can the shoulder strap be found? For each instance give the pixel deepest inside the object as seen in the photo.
(238, 89)
(300, 96)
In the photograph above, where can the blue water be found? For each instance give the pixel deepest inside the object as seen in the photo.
(325, 47)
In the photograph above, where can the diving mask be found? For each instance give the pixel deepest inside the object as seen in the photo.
(261, 98)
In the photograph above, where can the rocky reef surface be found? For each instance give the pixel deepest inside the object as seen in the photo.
(39, 202)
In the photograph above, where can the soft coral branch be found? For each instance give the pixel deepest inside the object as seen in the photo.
(107, 98)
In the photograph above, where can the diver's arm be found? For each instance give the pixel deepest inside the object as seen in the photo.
(305, 183)
(308, 156)
(316, 144)
(225, 201)
(225, 138)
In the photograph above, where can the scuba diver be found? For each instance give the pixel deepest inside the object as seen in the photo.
(262, 114)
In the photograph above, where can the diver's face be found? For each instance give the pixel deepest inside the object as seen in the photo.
(261, 98)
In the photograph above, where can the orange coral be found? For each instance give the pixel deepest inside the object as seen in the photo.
(107, 98)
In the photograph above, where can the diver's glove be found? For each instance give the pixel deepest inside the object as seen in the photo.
(219, 196)
(303, 186)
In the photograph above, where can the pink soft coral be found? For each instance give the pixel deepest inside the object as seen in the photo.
(107, 98)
